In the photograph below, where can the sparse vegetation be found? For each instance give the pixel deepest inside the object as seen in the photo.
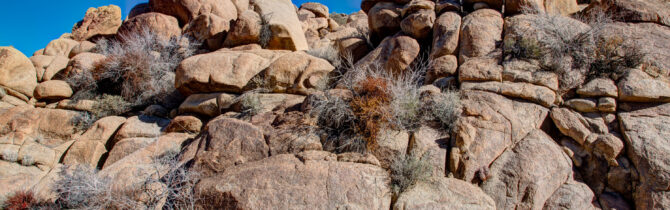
(24, 200)
(445, 108)
(408, 170)
(139, 67)
(266, 31)
(572, 51)
(250, 103)
(339, 18)
(328, 53)
(80, 187)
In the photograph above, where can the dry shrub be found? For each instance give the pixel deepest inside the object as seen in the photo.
(24, 200)
(139, 67)
(407, 170)
(266, 31)
(369, 106)
(612, 59)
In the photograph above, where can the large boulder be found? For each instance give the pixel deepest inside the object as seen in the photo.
(224, 143)
(490, 124)
(650, 39)
(163, 26)
(646, 131)
(444, 193)
(319, 10)
(526, 175)
(284, 24)
(297, 72)
(534, 93)
(80, 63)
(394, 54)
(103, 20)
(222, 71)
(419, 25)
(446, 35)
(481, 31)
(313, 179)
(187, 10)
(384, 20)
(561, 7)
(655, 11)
(60, 47)
(245, 30)
(17, 71)
(572, 195)
(48, 66)
(52, 90)
(638, 86)
(25, 123)
(209, 29)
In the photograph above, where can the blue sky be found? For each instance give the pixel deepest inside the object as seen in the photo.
(31, 25)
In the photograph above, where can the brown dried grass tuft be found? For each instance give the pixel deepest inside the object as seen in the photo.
(370, 106)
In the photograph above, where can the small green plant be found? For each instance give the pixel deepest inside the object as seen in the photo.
(408, 170)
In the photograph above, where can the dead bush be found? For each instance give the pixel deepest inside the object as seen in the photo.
(139, 67)
(612, 59)
(266, 31)
(369, 105)
(407, 170)
(110, 105)
(445, 109)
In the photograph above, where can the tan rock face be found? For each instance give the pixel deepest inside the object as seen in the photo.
(419, 25)
(480, 69)
(163, 26)
(384, 19)
(638, 86)
(528, 174)
(284, 24)
(245, 30)
(500, 121)
(126, 147)
(17, 71)
(561, 7)
(394, 54)
(319, 10)
(444, 193)
(442, 67)
(222, 71)
(104, 20)
(203, 104)
(26, 123)
(227, 142)
(60, 47)
(480, 31)
(184, 124)
(81, 62)
(84, 46)
(646, 135)
(86, 152)
(187, 10)
(517, 6)
(598, 87)
(209, 29)
(298, 73)
(446, 34)
(572, 195)
(324, 184)
(537, 94)
(52, 90)
(655, 11)
(571, 124)
(141, 126)
(430, 143)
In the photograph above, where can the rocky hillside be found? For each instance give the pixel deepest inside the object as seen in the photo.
(406, 104)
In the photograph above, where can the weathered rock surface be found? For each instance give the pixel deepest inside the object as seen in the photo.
(284, 24)
(446, 34)
(222, 71)
(638, 86)
(227, 142)
(480, 31)
(17, 71)
(528, 174)
(311, 180)
(444, 193)
(500, 121)
(104, 20)
(245, 30)
(655, 11)
(572, 195)
(394, 54)
(538, 94)
(163, 26)
(297, 73)
(384, 20)
(646, 134)
(187, 10)
(52, 90)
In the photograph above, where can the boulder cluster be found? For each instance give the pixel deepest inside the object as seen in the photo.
(528, 135)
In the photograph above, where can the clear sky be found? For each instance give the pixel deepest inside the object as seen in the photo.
(29, 25)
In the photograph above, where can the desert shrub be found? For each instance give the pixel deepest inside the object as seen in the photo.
(522, 48)
(369, 105)
(266, 31)
(177, 182)
(80, 188)
(110, 105)
(612, 59)
(83, 121)
(339, 18)
(445, 109)
(328, 53)
(337, 121)
(250, 103)
(407, 170)
(24, 200)
(139, 67)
